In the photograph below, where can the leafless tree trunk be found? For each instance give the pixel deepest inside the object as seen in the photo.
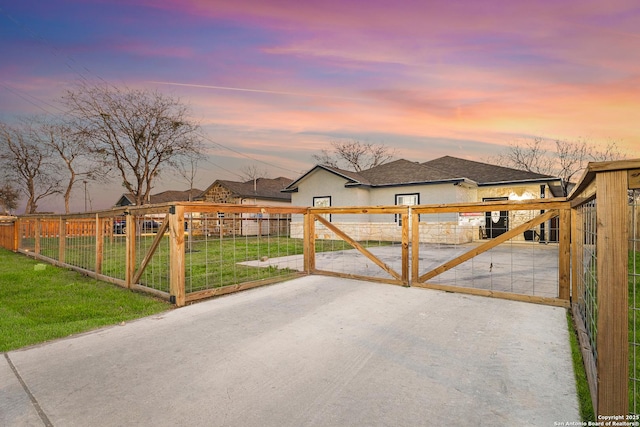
(355, 155)
(72, 148)
(253, 173)
(138, 132)
(561, 158)
(28, 164)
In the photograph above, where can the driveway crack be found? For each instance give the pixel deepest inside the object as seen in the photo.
(33, 399)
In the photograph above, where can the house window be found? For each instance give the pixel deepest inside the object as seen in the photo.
(411, 199)
(323, 202)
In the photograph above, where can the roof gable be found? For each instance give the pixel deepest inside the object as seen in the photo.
(261, 188)
(353, 178)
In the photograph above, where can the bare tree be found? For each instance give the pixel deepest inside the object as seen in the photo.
(253, 173)
(9, 197)
(187, 168)
(355, 155)
(72, 148)
(138, 132)
(562, 158)
(28, 163)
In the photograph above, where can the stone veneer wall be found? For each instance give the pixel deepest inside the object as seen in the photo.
(219, 194)
(443, 232)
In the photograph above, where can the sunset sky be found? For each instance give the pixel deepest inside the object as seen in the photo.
(274, 82)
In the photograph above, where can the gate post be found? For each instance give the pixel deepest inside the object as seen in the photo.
(405, 245)
(612, 341)
(177, 255)
(309, 242)
(415, 246)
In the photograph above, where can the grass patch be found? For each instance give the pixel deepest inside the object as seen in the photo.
(582, 385)
(40, 304)
(210, 262)
(634, 330)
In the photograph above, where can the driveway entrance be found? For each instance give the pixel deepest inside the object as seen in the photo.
(315, 351)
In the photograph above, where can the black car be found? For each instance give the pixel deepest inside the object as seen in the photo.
(147, 226)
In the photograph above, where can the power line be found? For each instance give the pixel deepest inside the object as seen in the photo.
(56, 52)
(53, 50)
(248, 156)
(26, 96)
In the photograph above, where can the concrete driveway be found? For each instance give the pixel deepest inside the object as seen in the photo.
(314, 351)
(524, 268)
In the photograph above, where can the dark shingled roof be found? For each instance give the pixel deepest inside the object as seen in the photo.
(265, 188)
(403, 172)
(174, 196)
(164, 197)
(443, 169)
(482, 173)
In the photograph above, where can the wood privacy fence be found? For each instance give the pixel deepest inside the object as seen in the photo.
(187, 251)
(8, 233)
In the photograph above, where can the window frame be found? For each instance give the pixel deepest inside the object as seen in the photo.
(320, 198)
(398, 218)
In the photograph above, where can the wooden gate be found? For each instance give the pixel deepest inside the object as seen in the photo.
(344, 226)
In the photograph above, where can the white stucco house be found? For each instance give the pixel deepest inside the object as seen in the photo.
(440, 181)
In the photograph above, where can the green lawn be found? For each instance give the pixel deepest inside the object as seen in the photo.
(210, 262)
(634, 331)
(40, 302)
(582, 385)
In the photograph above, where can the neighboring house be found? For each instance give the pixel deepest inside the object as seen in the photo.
(164, 197)
(440, 181)
(261, 191)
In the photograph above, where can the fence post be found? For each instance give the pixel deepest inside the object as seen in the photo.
(16, 234)
(99, 244)
(38, 231)
(405, 245)
(415, 246)
(309, 242)
(177, 255)
(62, 240)
(130, 248)
(612, 269)
(564, 252)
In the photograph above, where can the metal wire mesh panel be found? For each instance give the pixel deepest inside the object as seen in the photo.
(337, 256)
(634, 301)
(27, 235)
(525, 264)
(113, 247)
(230, 247)
(586, 270)
(156, 273)
(50, 238)
(80, 243)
